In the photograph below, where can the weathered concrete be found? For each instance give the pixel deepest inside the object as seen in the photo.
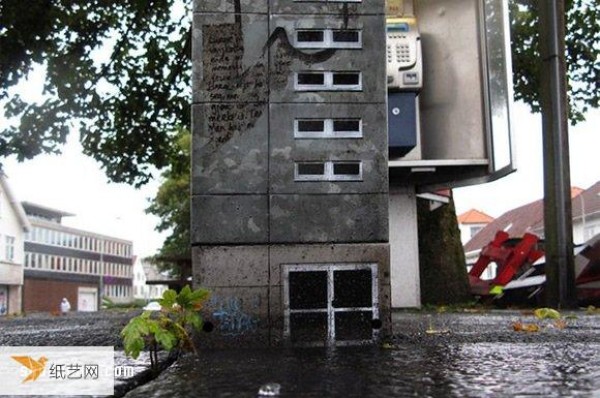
(229, 6)
(229, 60)
(285, 60)
(328, 218)
(246, 220)
(312, 8)
(240, 266)
(230, 144)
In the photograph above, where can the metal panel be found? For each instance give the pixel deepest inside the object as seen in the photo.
(452, 103)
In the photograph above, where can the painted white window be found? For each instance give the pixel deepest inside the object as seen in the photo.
(328, 128)
(328, 171)
(328, 38)
(328, 81)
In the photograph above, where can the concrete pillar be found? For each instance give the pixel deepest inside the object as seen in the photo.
(404, 248)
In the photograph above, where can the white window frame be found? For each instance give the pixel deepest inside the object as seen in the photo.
(327, 81)
(330, 268)
(9, 248)
(328, 174)
(328, 39)
(328, 129)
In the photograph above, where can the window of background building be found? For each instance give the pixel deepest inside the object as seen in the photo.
(475, 229)
(9, 248)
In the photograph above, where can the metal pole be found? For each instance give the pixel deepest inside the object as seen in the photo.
(560, 285)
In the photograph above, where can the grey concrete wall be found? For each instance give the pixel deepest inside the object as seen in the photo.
(328, 218)
(246, 304)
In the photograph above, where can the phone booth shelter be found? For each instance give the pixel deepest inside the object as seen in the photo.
(460, 132)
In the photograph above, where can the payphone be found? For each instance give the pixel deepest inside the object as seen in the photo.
(404, 61)
(404, 81)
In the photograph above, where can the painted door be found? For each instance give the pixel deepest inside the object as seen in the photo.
(87, 299)
(327, 304)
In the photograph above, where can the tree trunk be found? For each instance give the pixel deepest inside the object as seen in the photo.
(441, 257)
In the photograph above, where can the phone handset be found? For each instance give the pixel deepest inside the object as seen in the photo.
(404, 59)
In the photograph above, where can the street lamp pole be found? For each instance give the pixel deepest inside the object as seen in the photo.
(558, 221)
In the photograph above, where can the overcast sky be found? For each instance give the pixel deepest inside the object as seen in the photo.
(526, 184)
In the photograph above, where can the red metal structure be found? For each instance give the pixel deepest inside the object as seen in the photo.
(509, 257)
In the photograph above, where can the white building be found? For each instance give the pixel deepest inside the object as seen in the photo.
(471, 222)
(13, 226)
(143, 271)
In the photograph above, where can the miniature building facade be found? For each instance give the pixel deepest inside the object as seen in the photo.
(290, 169)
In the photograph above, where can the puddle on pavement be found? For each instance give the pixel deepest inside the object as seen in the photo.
(453, 370)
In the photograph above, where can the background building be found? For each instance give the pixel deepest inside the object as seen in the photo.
(13, 226)
(82, 266)
(144, 272)
(471, 222)
(530, 218)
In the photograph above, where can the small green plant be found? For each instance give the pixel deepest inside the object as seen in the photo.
(168, 328)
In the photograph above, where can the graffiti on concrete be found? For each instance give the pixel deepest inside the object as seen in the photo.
(230, 316)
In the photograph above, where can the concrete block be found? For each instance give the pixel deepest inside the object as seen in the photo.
(377, 253)
(240, 316)
(350, 218)
(230, 148)
(231, 6)
(327, 7)
(229, 63)
(227, 266)
(371, 149)
(286, 60)
(229, 219)
(276, 314)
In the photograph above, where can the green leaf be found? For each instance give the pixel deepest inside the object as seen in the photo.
(168, 299)
(166, 339)
(546, 313)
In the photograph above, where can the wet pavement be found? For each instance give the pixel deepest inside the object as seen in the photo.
(430, 355)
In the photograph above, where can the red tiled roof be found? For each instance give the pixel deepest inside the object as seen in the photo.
(474, 216)
(530, 217)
